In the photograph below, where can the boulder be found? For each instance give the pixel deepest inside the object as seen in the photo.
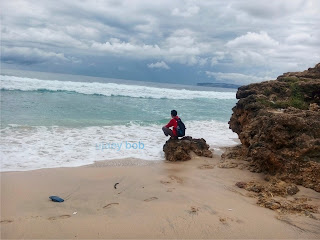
(278, 124)
(179, 149)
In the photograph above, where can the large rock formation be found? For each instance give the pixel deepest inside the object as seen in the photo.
(179, 150)
(278, 123)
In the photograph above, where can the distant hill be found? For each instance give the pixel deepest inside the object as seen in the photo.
(221, 85)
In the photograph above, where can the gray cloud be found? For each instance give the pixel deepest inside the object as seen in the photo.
(235, 78)
(239, 38)
(161, 64)
(271, 8)
(24, 55)
(253, 40)
(188, 12)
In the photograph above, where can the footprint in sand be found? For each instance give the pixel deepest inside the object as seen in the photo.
(6, 221)
(110, 205)
(194, 210)
(176, 179)
(150, 199)
(239, 221)
(225, 220)
(206, 166)
(172, 179)
(59, 217)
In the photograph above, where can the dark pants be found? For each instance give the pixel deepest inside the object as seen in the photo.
(168, 131)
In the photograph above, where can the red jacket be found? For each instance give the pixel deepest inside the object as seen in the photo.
(173, 123)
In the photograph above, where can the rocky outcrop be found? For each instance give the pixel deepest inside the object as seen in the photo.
(278, 124)
(179, 150)
(273, 194)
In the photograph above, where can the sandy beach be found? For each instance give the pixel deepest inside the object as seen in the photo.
(160, 119)
(159, 200)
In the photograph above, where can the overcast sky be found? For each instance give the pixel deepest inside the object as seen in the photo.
(239, 41)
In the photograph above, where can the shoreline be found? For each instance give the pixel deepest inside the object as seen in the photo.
(192, 199)
(124, 162)
(127, 161)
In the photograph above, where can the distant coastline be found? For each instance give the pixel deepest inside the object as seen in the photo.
(221, 85)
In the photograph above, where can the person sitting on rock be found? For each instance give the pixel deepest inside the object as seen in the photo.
(172, 123)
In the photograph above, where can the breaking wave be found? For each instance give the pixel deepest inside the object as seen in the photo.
(107, 89)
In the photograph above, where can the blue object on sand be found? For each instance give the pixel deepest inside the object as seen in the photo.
(56, 199)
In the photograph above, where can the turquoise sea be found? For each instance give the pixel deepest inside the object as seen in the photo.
(57, 120)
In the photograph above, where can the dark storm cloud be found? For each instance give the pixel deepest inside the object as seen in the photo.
(235, 41)
(29, 56)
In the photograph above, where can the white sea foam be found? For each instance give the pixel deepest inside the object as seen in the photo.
(26, 148)
(107, 89)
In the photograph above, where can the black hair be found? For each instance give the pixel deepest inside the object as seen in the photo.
(174, 113)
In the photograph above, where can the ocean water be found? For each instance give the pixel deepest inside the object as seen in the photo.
(55, 120)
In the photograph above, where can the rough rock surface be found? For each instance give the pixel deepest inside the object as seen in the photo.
(273, 194)
(278, 124)
(179, 150)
